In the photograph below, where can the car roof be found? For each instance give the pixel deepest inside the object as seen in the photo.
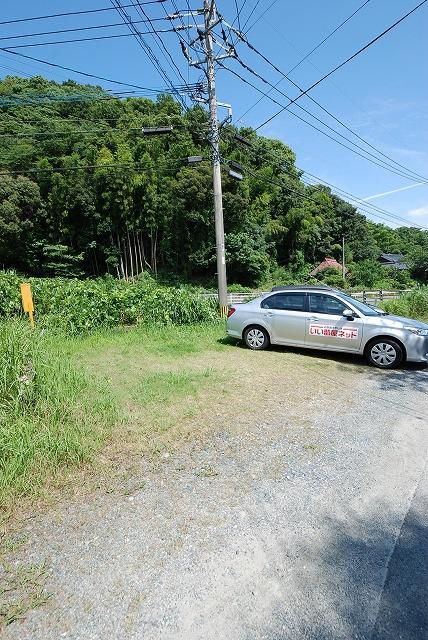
(305, 287)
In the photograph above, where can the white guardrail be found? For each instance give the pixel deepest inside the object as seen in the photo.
(371, 297)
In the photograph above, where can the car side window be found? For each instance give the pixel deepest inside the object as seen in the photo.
(321, 303)
(285, 302)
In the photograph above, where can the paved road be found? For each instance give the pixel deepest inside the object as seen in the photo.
(307, 522)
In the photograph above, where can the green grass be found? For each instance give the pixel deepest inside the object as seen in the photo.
(61, 397)
(166, 387)
(52, 414)
(22, 589)
(159, 342)
(410, 305)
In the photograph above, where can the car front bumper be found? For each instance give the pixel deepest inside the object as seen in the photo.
(417, 348)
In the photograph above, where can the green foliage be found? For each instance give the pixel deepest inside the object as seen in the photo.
(412, 305)
(367, 274)
(79, 306)
(331, 277)
(111, 201)
(51, 414)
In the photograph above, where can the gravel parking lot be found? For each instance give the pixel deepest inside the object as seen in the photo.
(306, 517)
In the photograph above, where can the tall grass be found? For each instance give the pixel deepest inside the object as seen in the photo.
(411, 305)
(80, 306)
(51, 414)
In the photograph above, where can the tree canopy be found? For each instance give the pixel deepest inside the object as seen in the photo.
(84, 192)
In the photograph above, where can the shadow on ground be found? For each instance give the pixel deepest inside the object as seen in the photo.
(368, 584)
(410, 377)
(418, 372)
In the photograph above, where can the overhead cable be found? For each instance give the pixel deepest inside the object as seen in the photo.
(342, 64)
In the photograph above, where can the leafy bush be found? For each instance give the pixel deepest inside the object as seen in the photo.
(78, 306)
(50, 413)
(331, 277)
(413, 304)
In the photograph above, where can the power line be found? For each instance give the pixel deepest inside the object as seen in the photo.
(82, 73)
(30, 134)
(355, 198)
(376, 212)
(285, 75)
(389, 215)
(261, 15)
(150, 93)
(74, 13)
(329, 113)
(173, 65)
(136, 166)
(327, 37)
(250, 14)
(238, 14)
(74, 29)
(90, 39)
(144, 45)
(342, 64)
(308, 197)
(378, 161)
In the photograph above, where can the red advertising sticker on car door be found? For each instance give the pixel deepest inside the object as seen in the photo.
(333, 332)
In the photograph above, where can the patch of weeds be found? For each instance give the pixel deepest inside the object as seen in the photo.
(22, 589)
(206, 472)
(311, 448)
(52, 415)
(10, 544)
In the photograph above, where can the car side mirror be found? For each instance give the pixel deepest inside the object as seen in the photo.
(348, 314)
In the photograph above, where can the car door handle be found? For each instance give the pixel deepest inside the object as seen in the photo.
(314, 319)
(269, 314)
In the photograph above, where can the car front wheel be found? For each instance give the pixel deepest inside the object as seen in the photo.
(256, 338)
(384, 353)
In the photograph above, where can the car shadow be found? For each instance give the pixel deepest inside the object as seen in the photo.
(355, 360)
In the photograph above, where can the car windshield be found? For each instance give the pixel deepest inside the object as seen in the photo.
(365, 309)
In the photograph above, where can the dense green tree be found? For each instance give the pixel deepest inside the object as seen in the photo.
(103, 198)
(20, 206)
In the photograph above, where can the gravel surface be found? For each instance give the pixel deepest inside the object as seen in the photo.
(308, 520)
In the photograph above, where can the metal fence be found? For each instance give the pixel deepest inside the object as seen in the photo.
(371, 297)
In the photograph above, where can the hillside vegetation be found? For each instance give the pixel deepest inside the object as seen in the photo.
(84, 193)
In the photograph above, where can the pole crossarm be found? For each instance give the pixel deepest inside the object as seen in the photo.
(199, 53)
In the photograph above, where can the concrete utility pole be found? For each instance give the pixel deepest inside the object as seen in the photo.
(203, 44)
(343, 259)
(210, 18)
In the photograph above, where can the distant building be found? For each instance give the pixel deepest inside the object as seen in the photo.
(392, 261)
(327, 263)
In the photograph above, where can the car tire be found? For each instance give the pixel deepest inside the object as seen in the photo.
(256, 338)
(384, 353)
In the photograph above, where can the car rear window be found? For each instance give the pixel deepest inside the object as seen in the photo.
(285, 302)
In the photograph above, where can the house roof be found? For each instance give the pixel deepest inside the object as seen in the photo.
(392, 260)
(327, 263)
(391, 257)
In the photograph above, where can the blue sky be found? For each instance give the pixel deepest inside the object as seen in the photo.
(382, 94)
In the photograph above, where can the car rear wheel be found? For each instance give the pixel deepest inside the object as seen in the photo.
(256, 338)
(384, 353)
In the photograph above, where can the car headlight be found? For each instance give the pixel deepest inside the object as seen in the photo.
(418, 332)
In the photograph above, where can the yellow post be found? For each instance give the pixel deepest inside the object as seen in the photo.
(223, 310)
(27, 301)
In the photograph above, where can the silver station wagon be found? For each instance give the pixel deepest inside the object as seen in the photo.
(319, 317)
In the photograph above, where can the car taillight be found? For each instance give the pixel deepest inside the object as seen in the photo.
(231, 312)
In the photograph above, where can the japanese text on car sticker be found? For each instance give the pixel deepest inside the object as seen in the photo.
(333, 332)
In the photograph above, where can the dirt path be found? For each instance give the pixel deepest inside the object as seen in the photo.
(281, 522)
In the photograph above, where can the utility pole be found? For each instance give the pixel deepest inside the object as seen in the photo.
(343, 259)
(203, 44)
(209, 20)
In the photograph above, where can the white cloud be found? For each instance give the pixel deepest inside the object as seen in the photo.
(420, 214)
